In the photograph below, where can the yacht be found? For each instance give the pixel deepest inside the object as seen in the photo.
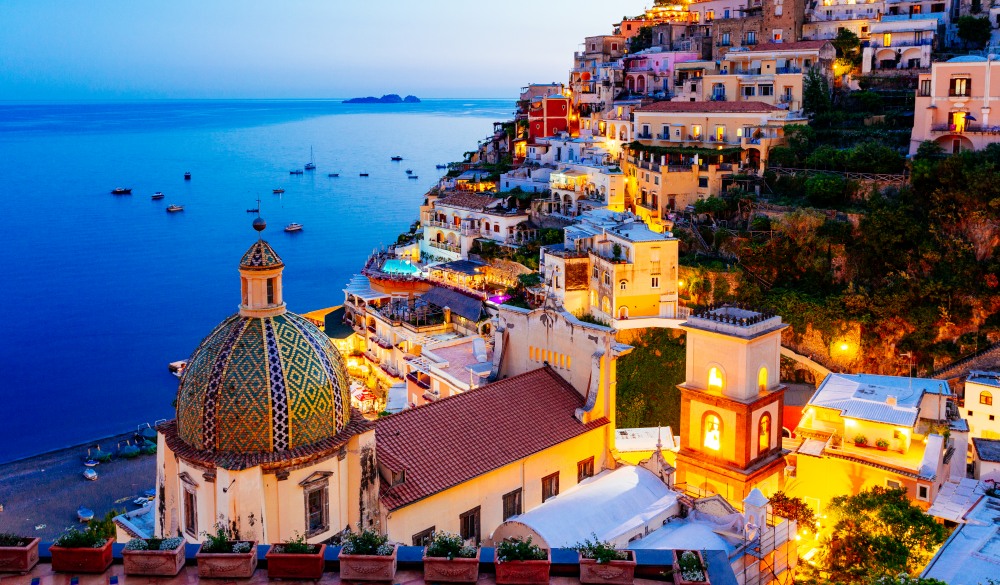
(295, 172)
(409, 171)
(90, 474)
(310, 166)
(333, 175)
(277, 191)
(187, 176)
(174, 208)
(293, 227)
(157, 196)
(396, 158)
(121, 191)
(364, 174)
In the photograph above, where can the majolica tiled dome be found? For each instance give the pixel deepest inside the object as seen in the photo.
(262, 384)
(260, 256)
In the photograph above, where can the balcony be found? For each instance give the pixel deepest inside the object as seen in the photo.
(969, 129)
(895, 43)
(745, 71)
(663, 136)
(679, 168)
(644, 136)
(785, 70)
(413, 378)
(441, 224)
(446, 246)
(649, 165)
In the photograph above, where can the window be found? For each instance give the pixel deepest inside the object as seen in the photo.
(696, 131)
(550, 486)
(622, 285)
(317, 509)
(969, 412)
(749, 91)
(992, 417)
(937, 7)
(985, 398)
(703, 182)
(709, 15)
(893, 485)
(725, 13)
(959, 87)
(469, 525)
(776, 36)
(715, 378)
(270, 291)
(925, 87)
(423, 538)
(720, 133)
(511, 504)
(585, 469)
(766, 90)
(712, 432)
(751, 37)
(725, 36)
(762, 379)
(607, 279)
(655, 282)
(887, 40)
(923, 492)
(596, 272)
(764, 433)
(190, 512)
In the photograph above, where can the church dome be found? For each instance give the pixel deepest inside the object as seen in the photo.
(264, 380)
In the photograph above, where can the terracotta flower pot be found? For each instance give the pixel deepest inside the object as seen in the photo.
(306, 566)
(158, 563)
(612, 573)
(81, 560)
(524, 572)
(19, 559)
(368, 567)
(679, 574)
(227, 565)
(882, 447)
(444, 570)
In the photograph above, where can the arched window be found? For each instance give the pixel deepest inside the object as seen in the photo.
(985, 398)
(606, 305)
(711, 432)
(622, 285)
(764, 433)
(762, 379)
(715, 378)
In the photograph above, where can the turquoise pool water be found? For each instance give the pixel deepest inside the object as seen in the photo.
(394, 266)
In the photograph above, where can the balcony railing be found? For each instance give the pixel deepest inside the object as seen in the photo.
(446, 246)
(413, 378)
(663, 136)
(784, 70)
(679, 168)
(969, 129)
(895, 43)
(441, 224)
(644, 136)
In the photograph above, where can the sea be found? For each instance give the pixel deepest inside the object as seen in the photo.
(100, 292)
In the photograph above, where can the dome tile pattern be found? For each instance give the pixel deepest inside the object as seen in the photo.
(257, 385)
(261, 256)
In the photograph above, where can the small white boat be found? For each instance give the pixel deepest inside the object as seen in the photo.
(158, 195)
(84, 514)
(293, 227)
(90, 474)
(177, 368)
(175, 208)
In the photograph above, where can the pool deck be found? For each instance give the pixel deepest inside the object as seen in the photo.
(47, 489)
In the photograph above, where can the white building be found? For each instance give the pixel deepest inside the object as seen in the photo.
(981, 390)
(971, 555)
(451, 224)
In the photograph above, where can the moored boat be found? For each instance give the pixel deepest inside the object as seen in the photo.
(121, 191)
(364, 174)
(396, 158)
(310, 166)
(293, 227)
(277, 191)
(333, 175)
(84, 514)
(412, 177)
(440, 166)
(295, 172)
(90, 474)
(256, 210)
(409, 171)
(177, 368)
(157, 196)
(187, 176)
(175, 208)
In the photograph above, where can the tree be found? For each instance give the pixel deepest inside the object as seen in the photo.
(879, 533)
(642, 40)
(793, 508)
(974, 30)
(848, 46)
(815, 93)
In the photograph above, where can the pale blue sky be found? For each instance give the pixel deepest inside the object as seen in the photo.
(118, 49)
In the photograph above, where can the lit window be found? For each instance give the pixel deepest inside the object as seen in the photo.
(715, 378)
(986, 398)
(762, 379)
(764, 433)
(887, 40)
(713, 432)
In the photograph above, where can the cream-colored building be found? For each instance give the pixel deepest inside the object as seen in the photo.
(981, 412)
(453, 222)
(954, 102)
(576, 188)
(899, 44)
(826, 18)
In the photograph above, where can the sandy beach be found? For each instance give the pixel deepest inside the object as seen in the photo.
(40, 495)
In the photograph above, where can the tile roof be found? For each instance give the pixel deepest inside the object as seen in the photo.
(449, 442)
(796, 46)
(472, 201)
(709, 107)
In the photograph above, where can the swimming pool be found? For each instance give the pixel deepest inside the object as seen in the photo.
(395, 266)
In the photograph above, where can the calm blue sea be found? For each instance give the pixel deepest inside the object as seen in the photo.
(101, 292)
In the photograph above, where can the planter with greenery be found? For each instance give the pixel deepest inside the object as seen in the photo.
(520, 562)
(860, 441)
(87, 551)
(296, 559)
(448, 560)
(689, 567)
(224, 555)
(367, 556)
(882, 445)
(161, 557)
(18, 554)
(602, 563)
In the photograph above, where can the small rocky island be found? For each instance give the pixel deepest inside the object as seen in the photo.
(391, 98)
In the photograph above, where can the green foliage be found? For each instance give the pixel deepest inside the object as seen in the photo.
(518, 549)
(12, 540)
(906, 580)
(929, 150)
(691, 567)
(848, 46)
(450, 546)
(879, 533)
(590, 318)
(296, 545)
(642, 40)
(154, 543)
(97, 533)
(616, 251)
(648, 378)
(827, 191)
(599, 550)
(974, 30)
(815, 93)
(529, 280)
(366, 542)
(222, 539)
(793, 508)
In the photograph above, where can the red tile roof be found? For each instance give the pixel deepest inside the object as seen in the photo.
(468, 201)
(710, 107)
(446, 443)
(796, 46)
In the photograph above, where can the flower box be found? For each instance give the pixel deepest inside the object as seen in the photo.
(303, 566)
(229, 565)
(882, 447)
(524, 572)
(368, 567)
(157, 563)
(456, 570)
(19, 559)
(81, 560)
(612, 572)
(682, 577)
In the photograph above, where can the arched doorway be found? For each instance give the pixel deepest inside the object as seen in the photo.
(623, 312)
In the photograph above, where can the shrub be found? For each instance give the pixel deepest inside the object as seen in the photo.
(600, 551)
(881, 443)
(691, 567)
(7, 539)
(860, 440)
(518, 549)
(137, 544)
(451, 546)
(296, 545)
(95, 535)
(366, 542)
(223, 540)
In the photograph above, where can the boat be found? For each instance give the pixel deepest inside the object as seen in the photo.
(293, 227)
(121, 191)
(412, 177)
(157, 196)
(364, 174)
(333, 175)
(88, 462)
(396, 158)
(310, 166)
(440, 166)
(90, 474)
(187, 176)
(174, 208)
(253, 210)
(295, 172)
(277, 191)
(409, 171)
(177, 368)
(84, 514)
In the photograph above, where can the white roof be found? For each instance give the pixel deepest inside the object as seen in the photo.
(361, 287)
(644, 439)
(971, 555)
(954, 500)
(609, 504)
(756, 498)
(396, 398)
(866, 396)
(984, 378)
(683, 534)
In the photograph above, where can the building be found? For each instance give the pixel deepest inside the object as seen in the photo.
(585, 78)
(651, 72)
(453, 222)
(953, 105)
(899, 44)
(983, 416)
(971, 554)
(551, 114)
(986, 459)
(731, 404)
(757, 22)
(577, 188)
(863, 430)
(824, 20)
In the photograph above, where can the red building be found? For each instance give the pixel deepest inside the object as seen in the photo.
(548, 115)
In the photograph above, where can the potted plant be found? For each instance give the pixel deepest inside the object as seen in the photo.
(18, 554)
(160, 557)
(367, 555)
(448, 559)
(689, 567)
(225, 555)
(860, 441)
(519, 561)
(602, 563)
(882, 445)
(296, 559)
(86, 551)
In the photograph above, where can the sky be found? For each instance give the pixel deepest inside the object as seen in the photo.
(224, 49)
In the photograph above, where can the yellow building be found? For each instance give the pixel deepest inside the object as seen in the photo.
(982, 404)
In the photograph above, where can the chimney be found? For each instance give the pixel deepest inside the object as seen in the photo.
(890, 400)
(447, 319)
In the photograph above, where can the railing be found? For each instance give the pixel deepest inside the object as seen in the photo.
(446, 246)
(895, 43)
(969, 128)
(441, 224)
(835, 17)
(718, 97)
(413, 378)
(783, 70)
(663, 136)
(679, 168)
(644, 136)
(745, 71)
